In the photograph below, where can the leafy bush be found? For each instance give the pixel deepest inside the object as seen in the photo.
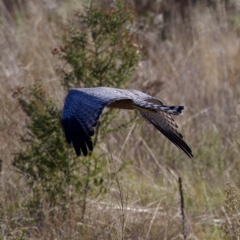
(99, 50)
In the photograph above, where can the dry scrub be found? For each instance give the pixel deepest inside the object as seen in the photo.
(195, 64)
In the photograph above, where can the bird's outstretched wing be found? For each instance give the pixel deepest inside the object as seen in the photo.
(81, 112)
(83, 107)
(164, 122)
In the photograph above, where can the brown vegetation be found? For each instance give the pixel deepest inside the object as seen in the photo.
(194, 63)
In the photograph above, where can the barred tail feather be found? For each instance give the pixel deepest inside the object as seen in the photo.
(174, 110)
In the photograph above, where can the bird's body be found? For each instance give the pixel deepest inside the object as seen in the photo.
(83, 107)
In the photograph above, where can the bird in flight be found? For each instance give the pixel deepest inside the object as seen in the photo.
(83, 107)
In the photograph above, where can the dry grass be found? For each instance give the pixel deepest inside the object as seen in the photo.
(198, 66)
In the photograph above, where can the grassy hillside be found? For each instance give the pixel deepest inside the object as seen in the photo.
(192, 60)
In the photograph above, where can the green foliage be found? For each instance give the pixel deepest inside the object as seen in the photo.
(43, 161)
(99, 50)
(49, 162)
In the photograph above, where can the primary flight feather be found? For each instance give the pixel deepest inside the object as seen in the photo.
(83, 107)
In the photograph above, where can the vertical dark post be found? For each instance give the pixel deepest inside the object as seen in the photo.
(182, 208)
(0, 167)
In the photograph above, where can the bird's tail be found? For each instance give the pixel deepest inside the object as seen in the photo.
(174, 110)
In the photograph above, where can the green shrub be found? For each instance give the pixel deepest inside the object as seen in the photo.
(99, 50)
(49, 163)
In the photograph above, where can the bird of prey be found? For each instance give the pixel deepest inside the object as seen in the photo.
(83, 107)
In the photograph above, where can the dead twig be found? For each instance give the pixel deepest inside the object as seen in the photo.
(182, 209)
